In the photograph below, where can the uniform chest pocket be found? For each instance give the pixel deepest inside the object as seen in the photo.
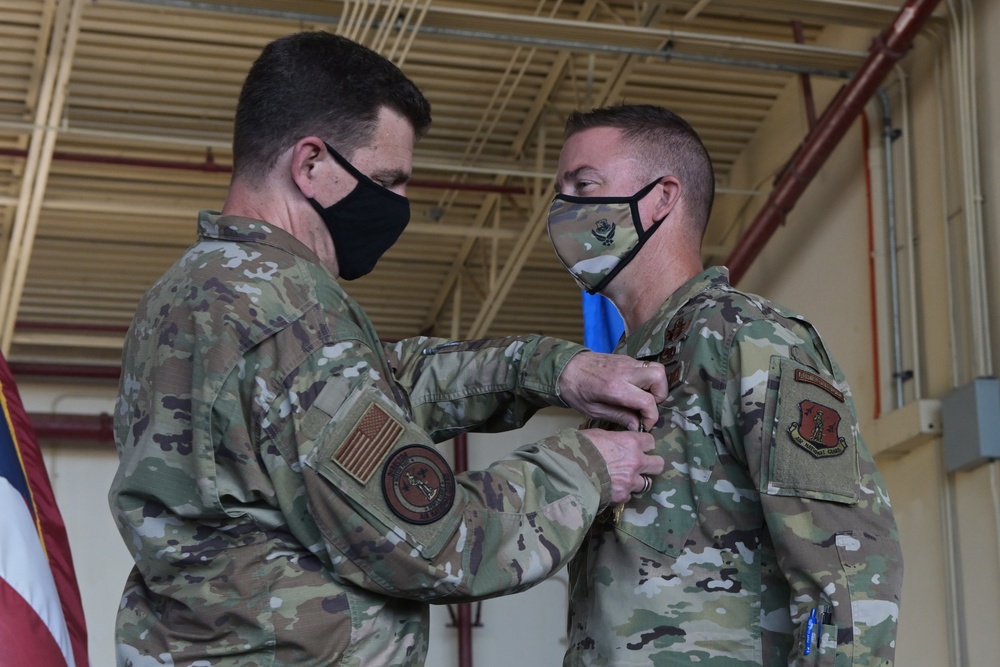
(664, 517)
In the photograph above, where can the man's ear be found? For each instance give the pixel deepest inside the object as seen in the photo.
(669, 195)
(306, 155)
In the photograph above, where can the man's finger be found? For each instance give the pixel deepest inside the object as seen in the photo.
(653, 465)
(649, 416)
(648, 389)
(628, 419)
(655, 380)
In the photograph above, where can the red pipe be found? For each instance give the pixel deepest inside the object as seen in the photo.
(886, 50)
(211, 166)
(87, 371)
(91, 428)
(873, 303)
(464, 622)
(34, 325)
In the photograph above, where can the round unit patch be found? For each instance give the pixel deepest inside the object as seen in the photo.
(418, 484)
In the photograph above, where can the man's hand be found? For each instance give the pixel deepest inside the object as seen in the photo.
(624, 453)
(614, 387)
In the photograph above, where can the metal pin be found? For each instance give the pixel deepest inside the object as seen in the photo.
(616, 514)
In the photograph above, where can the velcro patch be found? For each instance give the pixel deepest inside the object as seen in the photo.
(418, 484)
(677, 330)
(368, 435)
(368, 442)
(813, 452)
(813, 379)
(675, 373)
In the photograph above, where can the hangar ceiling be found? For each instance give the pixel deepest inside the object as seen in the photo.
(115, 122)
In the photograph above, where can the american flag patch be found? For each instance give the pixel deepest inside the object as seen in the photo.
(368, 443)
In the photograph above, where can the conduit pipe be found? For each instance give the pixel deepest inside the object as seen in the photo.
(888, 48)
(66, 371)
(522, 29)
(77, 327)
(211, 166)
(73, 428)
(888, 136)
(906, 197)
(872, 295)
(964, 61)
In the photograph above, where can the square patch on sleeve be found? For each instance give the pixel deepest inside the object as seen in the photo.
(814, 453)
(368, 443)
(376, 469)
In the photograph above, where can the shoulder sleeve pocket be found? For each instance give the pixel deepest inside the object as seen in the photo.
(813, 440)
(377, 477)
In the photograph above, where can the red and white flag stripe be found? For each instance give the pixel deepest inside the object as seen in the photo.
(41, 615)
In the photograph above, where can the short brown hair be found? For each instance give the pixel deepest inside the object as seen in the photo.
(317, 83)
(666, 143)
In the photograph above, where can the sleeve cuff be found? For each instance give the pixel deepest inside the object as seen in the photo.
(574, 445)
(543, 364)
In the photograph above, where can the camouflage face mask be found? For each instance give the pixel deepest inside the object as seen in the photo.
(595, 237)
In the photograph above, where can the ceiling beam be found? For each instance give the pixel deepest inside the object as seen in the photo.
(854, 13)
(516, 259)
(582, 35)
(533, 232)
(166, 209)
(52, 97)
(531, 120)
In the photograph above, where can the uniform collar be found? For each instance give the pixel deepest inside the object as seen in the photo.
(649, 339)
(214, 225)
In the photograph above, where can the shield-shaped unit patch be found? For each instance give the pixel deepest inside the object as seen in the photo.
(817, 430)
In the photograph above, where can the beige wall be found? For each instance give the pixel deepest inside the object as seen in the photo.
(818, 264)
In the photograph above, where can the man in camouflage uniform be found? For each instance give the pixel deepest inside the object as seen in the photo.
(769, 540)
(278, 488)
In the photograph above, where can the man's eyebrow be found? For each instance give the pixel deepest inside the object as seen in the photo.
(569, 176)
(391, 176)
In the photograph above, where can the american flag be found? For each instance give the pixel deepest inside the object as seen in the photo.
(41, 615)
(368, 443)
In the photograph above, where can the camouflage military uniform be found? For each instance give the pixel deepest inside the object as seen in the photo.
(276, 489)
(770, 506)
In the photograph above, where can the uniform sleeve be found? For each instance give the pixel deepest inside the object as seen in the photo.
(487, 385)
(384, 511)
(825, 503)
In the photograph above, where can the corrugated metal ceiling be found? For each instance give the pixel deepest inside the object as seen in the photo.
(115, 121)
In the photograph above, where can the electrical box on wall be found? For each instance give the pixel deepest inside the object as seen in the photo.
(971, 424)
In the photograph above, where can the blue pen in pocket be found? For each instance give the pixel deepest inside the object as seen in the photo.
(810, 628)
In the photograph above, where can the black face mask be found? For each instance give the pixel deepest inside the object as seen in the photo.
(365, 223)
